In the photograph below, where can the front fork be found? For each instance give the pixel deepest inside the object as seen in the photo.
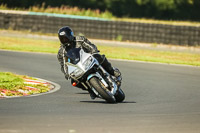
(111, 84)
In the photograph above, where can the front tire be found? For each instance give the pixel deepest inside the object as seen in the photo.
(102, 90)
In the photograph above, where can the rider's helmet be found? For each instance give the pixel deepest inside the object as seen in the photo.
(66, 36)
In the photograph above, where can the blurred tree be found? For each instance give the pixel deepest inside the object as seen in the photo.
(159, 9)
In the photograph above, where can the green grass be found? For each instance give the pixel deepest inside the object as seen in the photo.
(26, 44)
(151, 55)
(47, 46)
(13, 82)
(10, 81)
(65, 10)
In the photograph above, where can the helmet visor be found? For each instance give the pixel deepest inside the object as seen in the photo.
(64, 40)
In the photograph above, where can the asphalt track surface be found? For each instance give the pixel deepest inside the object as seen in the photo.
(159, 99)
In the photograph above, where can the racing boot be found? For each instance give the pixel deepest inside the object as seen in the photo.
(118, 76)
(113, 71)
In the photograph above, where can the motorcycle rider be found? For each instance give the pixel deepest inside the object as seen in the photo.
(68, 41)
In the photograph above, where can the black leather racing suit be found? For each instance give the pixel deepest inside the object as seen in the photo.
(87, 46)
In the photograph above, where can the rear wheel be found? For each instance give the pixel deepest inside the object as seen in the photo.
(119, 96)
(102, 90)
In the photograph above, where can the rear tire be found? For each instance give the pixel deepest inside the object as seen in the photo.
(102, 90)
(120, 96)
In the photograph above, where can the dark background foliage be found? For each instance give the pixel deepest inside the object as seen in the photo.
(156, 9)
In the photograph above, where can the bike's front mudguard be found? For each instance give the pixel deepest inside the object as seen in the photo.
(114, 86)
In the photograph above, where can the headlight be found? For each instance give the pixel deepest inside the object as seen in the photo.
(77, 72)
(87, 63)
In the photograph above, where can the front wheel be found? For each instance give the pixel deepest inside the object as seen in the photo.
(102, 90)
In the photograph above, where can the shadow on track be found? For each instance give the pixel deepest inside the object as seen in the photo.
(83, 93)
(104, 102)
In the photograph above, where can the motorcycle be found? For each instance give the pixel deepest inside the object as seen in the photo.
(85, 69)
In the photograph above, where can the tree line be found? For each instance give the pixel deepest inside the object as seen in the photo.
(156, 9)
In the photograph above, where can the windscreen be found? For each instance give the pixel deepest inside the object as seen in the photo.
(73, 55)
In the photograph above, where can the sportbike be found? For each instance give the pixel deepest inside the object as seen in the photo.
(84, 69)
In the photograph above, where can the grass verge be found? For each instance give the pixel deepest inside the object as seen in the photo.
(64, 10)
(48, 46)
(10, 81)
(152, 55)
(15, 85)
